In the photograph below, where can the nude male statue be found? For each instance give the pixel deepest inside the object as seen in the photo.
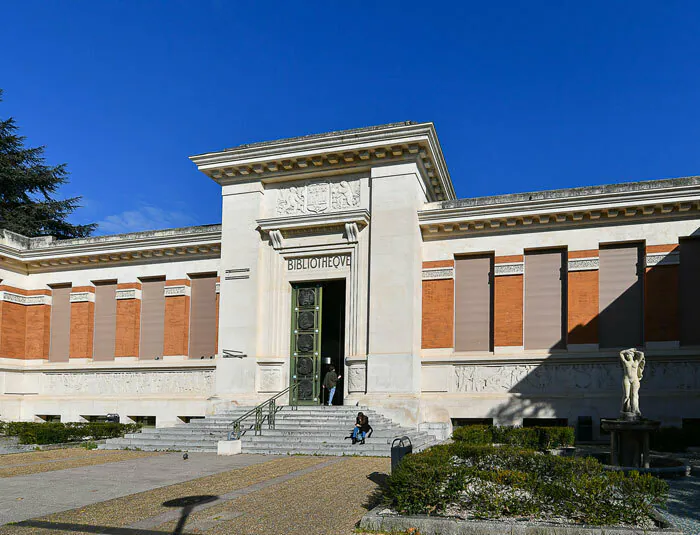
(633, 367)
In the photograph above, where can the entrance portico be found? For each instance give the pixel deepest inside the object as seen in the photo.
(298, 211)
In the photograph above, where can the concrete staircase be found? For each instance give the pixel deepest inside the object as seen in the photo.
(310, 430)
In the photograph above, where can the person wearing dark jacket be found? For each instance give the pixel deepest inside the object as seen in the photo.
(362, 427)
(330, 381)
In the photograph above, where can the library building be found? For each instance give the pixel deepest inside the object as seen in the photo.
(350, 249)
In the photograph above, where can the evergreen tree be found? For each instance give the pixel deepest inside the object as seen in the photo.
(27, 190)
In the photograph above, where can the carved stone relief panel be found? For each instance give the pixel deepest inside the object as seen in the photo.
(543, 379)
(270, 379)
(195, 382)
(318, 197)
(357, 378)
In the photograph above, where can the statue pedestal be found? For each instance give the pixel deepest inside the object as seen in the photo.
(629, 441)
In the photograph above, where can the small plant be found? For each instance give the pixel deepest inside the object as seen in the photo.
(540, 438)
(89, 445)
(504, 482)
(57, 433)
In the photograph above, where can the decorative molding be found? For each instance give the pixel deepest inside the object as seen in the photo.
(192, 382)
(27, 300)
(51, 255)
(514, 268)
(311, 222)
(176, 291)
(324, 153)
(438, 273)
(584, 264)
(352, 232)
(276, 239)
(237, 273)
(82, 297)
(318, 197)
(438, 222)
(128, 293)
(663, 259)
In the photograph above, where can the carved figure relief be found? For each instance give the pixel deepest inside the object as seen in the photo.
(345, 195)
(196, 382)
(318, 197)
(564, 378)
(291, 201)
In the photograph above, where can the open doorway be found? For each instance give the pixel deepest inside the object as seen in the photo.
(318, 339)
(333, 340)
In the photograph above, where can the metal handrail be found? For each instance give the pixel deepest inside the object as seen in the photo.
(260, 415)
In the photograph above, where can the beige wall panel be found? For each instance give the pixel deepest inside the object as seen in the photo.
(473, 308)
(544, 290)
(152, 319)
(621, 296)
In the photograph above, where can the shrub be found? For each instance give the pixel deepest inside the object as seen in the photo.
(488, 482)
(56, 433)
(474, 434)
(543, 438)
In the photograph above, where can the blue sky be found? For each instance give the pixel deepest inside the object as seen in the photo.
(525, 95)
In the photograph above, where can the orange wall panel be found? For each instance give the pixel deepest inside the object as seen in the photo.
(13, 325)
(438, 313)
(128, 330)
(583, 306)
(508, 309)
(438, 263)
(82, 329)
(177, 325)
(38, 331)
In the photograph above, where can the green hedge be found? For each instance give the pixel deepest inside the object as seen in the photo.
(490, 483)
(57, 433)
(542, 438)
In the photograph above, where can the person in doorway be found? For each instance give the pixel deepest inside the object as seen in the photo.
(330, 381)
(362, 427)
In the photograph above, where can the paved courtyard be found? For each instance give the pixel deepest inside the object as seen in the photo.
(136, 493)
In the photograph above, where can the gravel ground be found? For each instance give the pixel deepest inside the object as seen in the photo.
(683, 506)
(330, 501)
(49, 455)
(121, 512)
(23, 464)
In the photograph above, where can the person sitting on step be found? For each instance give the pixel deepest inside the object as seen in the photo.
(361, 429)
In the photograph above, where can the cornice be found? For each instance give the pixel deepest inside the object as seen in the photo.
(326, 153)
(610, 207)
(196, 242)
(310, 221)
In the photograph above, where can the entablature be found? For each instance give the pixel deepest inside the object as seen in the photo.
(672, 198)
(24, 255)
(316, 155)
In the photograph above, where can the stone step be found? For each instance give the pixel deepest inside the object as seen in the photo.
(184, 445)
(207, 449)
(295, 417)
(268, 442)
(310, 430)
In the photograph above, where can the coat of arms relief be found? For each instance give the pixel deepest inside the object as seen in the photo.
(318, 198)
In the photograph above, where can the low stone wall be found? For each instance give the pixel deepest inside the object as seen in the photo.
(381, 519)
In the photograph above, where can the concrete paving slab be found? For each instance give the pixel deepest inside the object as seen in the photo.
(36, 495)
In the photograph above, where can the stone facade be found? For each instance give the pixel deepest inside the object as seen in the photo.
(374, 208)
